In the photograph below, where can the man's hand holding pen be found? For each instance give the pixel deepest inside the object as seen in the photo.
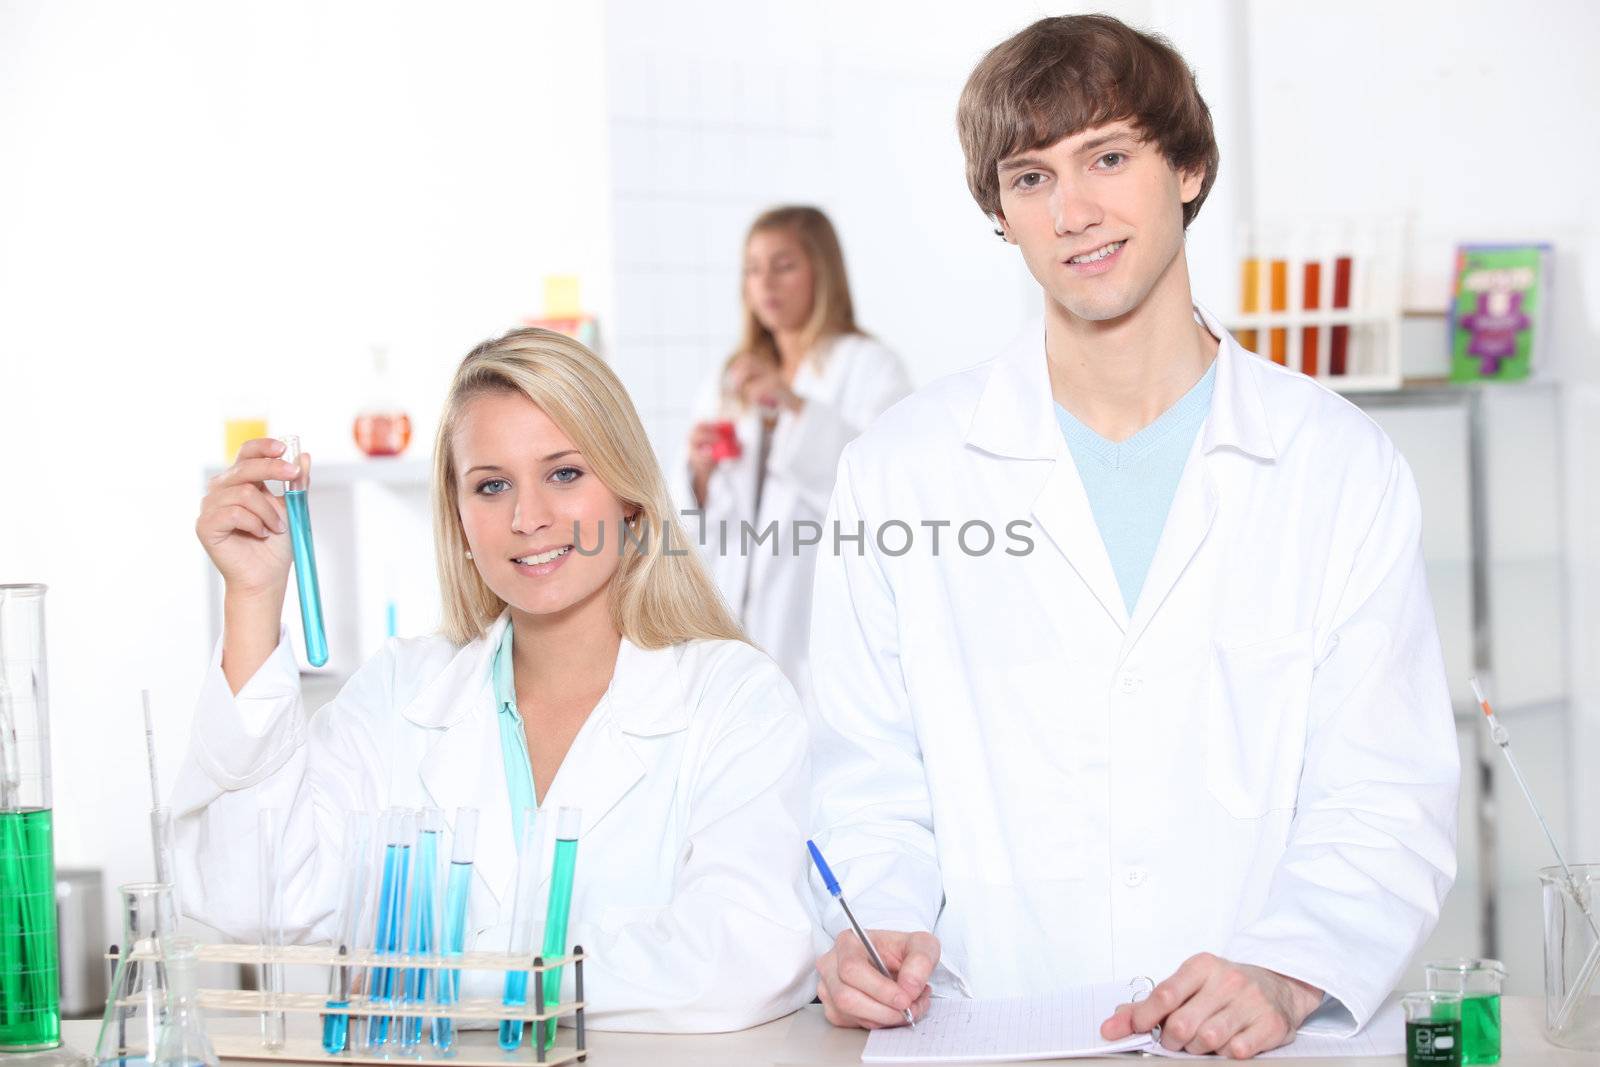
(852, 991)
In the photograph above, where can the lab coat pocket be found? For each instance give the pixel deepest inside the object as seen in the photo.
(1256, 713)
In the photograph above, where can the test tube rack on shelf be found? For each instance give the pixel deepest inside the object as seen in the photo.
(1322, 299)
(475, 1009)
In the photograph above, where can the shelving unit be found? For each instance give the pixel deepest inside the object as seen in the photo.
(1505, 577)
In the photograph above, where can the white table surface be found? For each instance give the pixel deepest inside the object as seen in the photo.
(806, 1038)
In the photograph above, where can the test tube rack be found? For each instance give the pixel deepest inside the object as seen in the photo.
(566, 1049)
(1322, 298)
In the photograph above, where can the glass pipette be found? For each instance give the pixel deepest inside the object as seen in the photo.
(161, 843)
(1591, 965)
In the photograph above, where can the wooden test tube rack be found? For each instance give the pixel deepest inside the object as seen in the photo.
(485, 1009)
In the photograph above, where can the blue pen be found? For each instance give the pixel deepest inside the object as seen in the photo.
(833, 887)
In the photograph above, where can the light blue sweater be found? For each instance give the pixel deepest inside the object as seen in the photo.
(1131, 483)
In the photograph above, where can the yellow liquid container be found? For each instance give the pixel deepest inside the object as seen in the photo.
(235, 432)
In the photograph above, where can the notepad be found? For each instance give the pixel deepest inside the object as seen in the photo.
(1066, 1025)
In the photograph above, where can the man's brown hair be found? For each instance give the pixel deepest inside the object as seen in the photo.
(1064, 75)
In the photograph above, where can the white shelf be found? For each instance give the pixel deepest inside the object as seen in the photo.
(403, 471)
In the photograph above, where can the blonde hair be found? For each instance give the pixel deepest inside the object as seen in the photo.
(832, 312)
(656, 598)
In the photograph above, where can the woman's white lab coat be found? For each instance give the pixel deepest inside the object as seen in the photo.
(845, 386)
(1261, 762)
(691, 772)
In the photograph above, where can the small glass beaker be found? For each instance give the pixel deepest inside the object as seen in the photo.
(1433, 1029)
(1572, 955)
(181, 1040)
(138, 1004)
(1479, 982)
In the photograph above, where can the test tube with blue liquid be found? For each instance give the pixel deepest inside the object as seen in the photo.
(568, 822)
(422, 924)
(390, 920)
(305, 556)
(453, 933)
(352, 892)
(524, 906)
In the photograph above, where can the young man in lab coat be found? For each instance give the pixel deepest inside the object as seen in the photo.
(1196, 728)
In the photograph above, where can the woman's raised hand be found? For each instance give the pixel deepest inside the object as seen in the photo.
(245, 531)
(759, 384)
(243, 527)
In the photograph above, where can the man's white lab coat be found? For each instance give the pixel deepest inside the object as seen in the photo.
(690, 890)
(845, 387)
(1260, 763)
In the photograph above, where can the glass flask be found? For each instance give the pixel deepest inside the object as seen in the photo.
(30, 1014)
(181, 1039)
(138, 1003)
(381, 428)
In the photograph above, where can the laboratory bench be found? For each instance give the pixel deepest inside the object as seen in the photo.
(805, 1039)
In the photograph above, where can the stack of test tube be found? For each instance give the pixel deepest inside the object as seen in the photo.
(397, 899)
(1323, 298)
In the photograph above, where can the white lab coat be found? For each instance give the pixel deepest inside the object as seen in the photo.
(769, 588)
(691, 772)
(1260, 762)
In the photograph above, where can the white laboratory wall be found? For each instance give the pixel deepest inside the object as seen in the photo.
(214, 206)
(720, 109)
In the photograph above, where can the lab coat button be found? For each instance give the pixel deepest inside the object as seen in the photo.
(1134, 876)
(1129, 682)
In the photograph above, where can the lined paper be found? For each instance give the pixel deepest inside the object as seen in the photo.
(1384, 1035)
(1043, 1027)
(1066, 1025)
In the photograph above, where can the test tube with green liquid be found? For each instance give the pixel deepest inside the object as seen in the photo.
(568, 822)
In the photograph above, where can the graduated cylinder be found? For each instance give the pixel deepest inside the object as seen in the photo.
(30, 1012)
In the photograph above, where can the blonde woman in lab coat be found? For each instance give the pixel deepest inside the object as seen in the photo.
(610, 681)
(803, 383)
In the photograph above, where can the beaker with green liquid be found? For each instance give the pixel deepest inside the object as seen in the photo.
(1478, 983)
(30, 1011)
(1433, 1028)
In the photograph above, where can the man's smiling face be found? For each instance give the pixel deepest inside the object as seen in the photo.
(1098, 216)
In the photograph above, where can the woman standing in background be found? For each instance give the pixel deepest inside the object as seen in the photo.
(771, 423)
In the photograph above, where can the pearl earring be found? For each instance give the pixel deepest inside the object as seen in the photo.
(469, 553)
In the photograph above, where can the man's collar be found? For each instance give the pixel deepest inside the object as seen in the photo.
(1015, 414)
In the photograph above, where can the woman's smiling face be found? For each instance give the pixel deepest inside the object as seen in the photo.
(527, 498)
